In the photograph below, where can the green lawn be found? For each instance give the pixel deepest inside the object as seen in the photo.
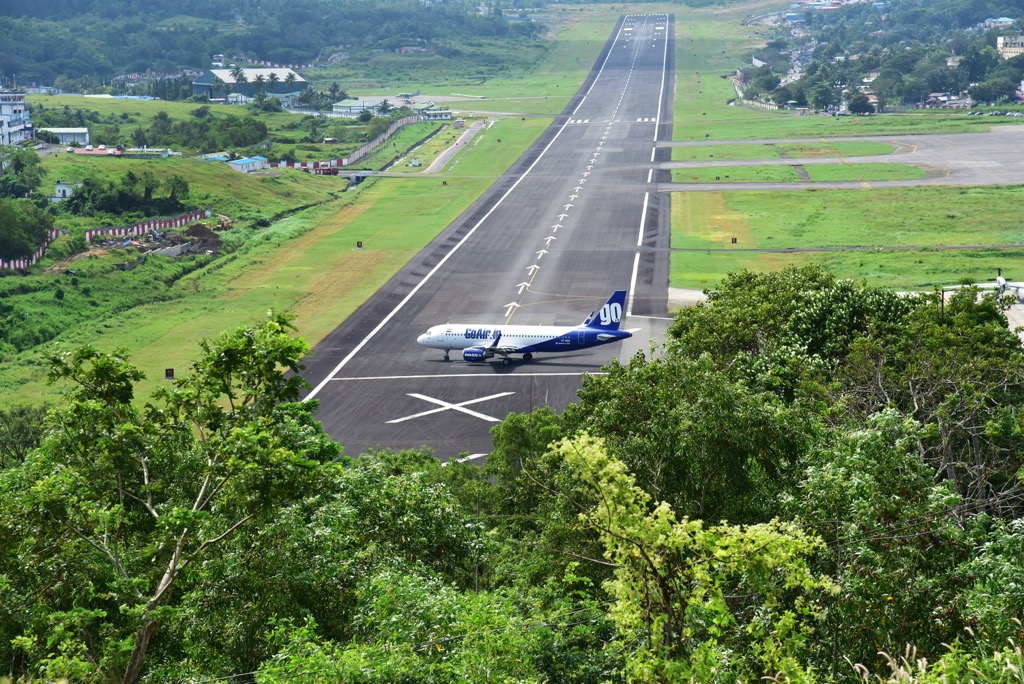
(748, 152)
(306, 263)
(922, 220)
(736, 174)
(778, 173)
(863, 172)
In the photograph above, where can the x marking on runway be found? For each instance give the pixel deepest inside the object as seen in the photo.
(460, 407)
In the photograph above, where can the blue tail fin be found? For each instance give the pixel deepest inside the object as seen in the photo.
(608, 316)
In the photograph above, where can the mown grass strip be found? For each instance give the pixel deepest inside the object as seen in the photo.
(924, 220)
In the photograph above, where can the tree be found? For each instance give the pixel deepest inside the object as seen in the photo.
(132, 498)
(858, 103)
(289, 80)
(273, 79)
(385, 107)
(711, 447)
(697, 602)
(20, 172)
(150, 184)
(21, 431)
(177, 186)
(260, 83)
(895, 537)
(23, 227)
(334, 89)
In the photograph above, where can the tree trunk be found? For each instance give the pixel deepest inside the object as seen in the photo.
(142, 636)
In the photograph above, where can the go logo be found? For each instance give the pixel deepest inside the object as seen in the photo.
(610, 313)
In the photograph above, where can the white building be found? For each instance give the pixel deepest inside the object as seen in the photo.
(249, 164)
(15, 123)
(70, 136)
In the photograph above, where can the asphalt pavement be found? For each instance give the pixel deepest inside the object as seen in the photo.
(577, 217)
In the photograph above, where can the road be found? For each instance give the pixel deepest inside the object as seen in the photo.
(574, 219)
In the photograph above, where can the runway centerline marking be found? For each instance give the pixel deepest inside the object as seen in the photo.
(447, 406)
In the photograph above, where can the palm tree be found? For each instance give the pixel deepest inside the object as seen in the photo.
(259, 82)
(289, 80)
(334, 89)
(238, 73)
(384, 108)
(218, 87)
(274, 79)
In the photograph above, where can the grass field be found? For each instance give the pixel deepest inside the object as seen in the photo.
(747, 152)
(918, 223)
(778, 173)
(306, 263)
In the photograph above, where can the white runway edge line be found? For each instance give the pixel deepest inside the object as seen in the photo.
(444, 260)
(647, 195)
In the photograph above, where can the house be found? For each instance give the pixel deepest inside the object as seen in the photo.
(353, 108)
(1001, 22)
(63, 189)
(1010, 46)
(15, 122)
(249, 164)
(70, 136)
(220, 83)
(432, 113)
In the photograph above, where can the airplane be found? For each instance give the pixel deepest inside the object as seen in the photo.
(1001, 284)
(480, 342)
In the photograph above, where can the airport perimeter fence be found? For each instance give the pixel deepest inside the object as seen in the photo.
(357, 154)
(140, 228)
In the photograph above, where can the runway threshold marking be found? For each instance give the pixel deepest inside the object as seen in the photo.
(448, 406)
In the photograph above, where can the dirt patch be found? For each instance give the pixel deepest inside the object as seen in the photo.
(207, 240)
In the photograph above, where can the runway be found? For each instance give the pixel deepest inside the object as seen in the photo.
(575, 218)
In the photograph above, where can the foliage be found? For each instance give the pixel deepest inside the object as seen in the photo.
(907, 44)
(20, 174)
(83, 43)
(23, 228)
(698, 602)
(124, 501)
(21, 431)
(131, 194)
(712, 448)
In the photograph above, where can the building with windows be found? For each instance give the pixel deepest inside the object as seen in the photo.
(249, 164)
(69, 136)
(15, 122)
(1010, 46)
(354, 107)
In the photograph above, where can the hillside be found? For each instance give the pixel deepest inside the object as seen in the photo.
(92, 42)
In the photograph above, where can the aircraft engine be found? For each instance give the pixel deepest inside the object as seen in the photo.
(474, 354)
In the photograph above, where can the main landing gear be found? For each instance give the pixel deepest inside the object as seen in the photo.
(526, 357)
(446, 354)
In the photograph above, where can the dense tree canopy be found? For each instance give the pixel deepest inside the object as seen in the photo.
(94, 40)
(809, 478)
(23, 227)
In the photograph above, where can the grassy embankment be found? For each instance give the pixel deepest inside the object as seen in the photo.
(541, 85)
(711, 45)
